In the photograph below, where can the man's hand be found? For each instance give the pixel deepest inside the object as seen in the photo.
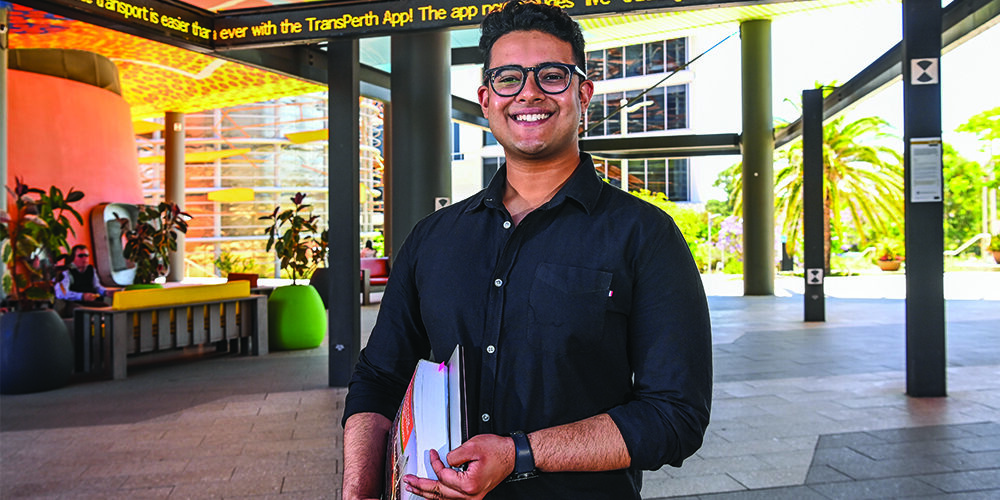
(90, 297)
(488, 460)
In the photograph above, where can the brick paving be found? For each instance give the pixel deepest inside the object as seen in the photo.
(802, 410)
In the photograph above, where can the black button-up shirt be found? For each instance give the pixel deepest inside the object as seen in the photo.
(592, 304)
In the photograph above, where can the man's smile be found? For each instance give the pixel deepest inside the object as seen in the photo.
(531, 117)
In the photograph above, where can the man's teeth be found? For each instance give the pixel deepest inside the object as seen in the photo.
(532, 117)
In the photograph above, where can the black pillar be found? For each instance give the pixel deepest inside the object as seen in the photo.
(343, 288)
(420, 128)
(923, 177)
(812, 204)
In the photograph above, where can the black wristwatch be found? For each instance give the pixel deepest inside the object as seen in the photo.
(524, 460)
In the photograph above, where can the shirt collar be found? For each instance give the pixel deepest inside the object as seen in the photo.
(584, 186)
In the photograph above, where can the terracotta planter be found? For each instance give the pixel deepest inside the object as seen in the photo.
(889, 265)
(996, 256)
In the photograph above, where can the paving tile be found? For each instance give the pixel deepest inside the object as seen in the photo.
(965, 480)
(903, 487)
(653, 487)
(825, 474)
(770, 478)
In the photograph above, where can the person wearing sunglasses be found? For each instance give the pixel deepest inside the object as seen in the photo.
(579, 306)
(79, 283)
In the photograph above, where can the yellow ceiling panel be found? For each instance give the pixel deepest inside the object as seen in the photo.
(156, 77)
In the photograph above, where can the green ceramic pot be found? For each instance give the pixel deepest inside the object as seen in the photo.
(36, 353)
(296, 318)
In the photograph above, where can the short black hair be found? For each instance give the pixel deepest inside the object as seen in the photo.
(524, 16)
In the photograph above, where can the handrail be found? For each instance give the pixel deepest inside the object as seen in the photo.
(967, 244)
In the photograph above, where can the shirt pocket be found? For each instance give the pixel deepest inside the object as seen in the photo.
(568, 307)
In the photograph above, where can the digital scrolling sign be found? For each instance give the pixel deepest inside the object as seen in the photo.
(167, 21)
(386, 18)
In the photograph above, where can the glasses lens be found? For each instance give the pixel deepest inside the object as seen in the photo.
(508, 81)
(553, 78)
(82, 255)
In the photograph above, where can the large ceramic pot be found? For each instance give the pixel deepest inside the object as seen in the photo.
(296, 318)
(36, 353)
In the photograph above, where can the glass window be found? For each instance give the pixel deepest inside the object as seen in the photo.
(595, 65)
(654, 57)
(636, 174)
(678, 179)
(654, 112)
(490, 168)
(676, 53)
(613, 63)
(677, 107)
(656, 176)
(489, 139)
(615, 173)
(633, 60)
(595, 113)
(613, 126)
(636, 112)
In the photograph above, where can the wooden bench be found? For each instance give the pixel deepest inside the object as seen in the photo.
(107, 335)
(374, 276)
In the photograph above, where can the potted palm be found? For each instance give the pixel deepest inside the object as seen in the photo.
(148, 244)
(36, 353)
(296, 317)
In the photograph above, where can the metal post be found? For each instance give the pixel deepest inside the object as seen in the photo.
(421, 127)
(343, 201)
(812, 204)
(173, 174)
(758, 159)
(923, 178)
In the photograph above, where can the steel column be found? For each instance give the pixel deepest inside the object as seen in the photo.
(812, 205)
(421, 128)
(758, 159)
(925, 322)
(343, 219)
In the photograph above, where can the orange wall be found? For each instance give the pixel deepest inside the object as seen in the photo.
(71, 134)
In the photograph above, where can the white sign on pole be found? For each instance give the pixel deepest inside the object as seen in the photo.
(925, 170)
(924, 71)
(814, 276)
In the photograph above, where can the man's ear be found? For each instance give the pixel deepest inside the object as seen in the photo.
(484, 100)
(586, 94)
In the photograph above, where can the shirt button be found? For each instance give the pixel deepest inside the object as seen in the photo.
(491, 349)
(506, 224)
(498, 283)
(486, 417)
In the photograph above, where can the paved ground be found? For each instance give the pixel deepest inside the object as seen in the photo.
(802, 410)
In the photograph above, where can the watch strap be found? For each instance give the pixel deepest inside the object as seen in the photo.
(524, 460)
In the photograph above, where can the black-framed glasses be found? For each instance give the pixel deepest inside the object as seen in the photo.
(550, 77)
(82, 255)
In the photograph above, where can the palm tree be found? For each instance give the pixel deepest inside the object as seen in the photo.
(863, 183)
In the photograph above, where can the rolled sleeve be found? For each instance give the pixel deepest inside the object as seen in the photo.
(670, 349)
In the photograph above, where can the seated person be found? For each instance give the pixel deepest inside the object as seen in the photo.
(368, 251)
(79, 284)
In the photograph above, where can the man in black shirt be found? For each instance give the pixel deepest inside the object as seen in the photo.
(578, 304)
(80, 284)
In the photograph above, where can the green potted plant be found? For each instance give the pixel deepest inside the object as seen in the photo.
(889, 255)
(295, 314)
(36, 352)
(237, 268)
(148, 244)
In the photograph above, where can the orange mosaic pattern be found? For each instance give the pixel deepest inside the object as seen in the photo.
(155, 77)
